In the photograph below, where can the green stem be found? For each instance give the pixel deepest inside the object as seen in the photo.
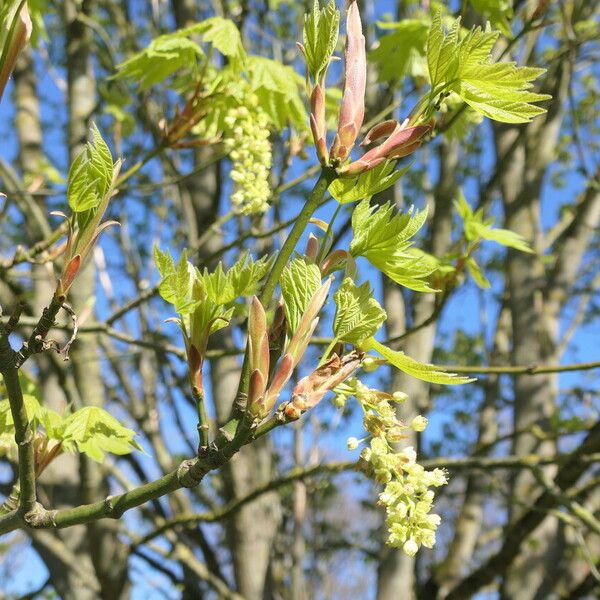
(189, 474)
(203, 427)
(327, 352)
(23, 438)
(313, 202)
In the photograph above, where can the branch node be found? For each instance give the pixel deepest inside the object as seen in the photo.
(39, 518)
(109, 505)
(190, 473)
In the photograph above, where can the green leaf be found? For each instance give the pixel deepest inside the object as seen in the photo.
(177, 281)
(498, 12)
(358, 315)
(441, 51)
(402, 51)
(299, 283)
(246, 274)
(164, 56)
(217, 286)
(321, 30)
(504, 237)
(477, 274)
(37, 414)
(90, 175)
(223, 35)
(94, 431)
(384, 239)
(365, 186)
(477, 228)
(493, 91)
(499, 91)
(242, 280)
(422, 371)
(278, 89)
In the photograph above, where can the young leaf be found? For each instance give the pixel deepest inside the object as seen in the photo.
(299, 283)
(177, 281)
(365, 186)
(358, 315)
(478, 228)
(164, 56)
(277, 88)
(477, 274)
(499, 91)
(422, 371)
(498, 12)
(321, 30)
(36, 414)
(505, 237)
(90, 175)
(402, 51)
(441, 51)
(383, 238)
(246, 274)
(223, 35)
(217, 286)
(94, 431)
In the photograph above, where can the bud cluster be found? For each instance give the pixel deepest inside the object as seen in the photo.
(401, 139)
(247, 141)
(407, 496)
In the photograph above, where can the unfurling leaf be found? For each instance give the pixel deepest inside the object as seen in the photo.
(358, 315)
(94, 431)
(366, 185)
(477, 228)
(409, 365)
(321, 30)
(500, 91)
(177, 281)
(90, 176)
(384, 239)
(299, 283)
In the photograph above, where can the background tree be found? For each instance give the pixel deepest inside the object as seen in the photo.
(207, 103)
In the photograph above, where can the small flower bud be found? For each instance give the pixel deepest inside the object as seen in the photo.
(352, 443)
(370, 364)
(419, 423)
(410, 547)
(399, 397)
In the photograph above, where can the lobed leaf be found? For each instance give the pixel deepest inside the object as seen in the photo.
(499, 91)
(384, 239)
(94, 431)
(423, 371)
(358, 315)
(365, 186)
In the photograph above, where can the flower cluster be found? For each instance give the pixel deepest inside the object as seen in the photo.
(406, 496)
(250, 151)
